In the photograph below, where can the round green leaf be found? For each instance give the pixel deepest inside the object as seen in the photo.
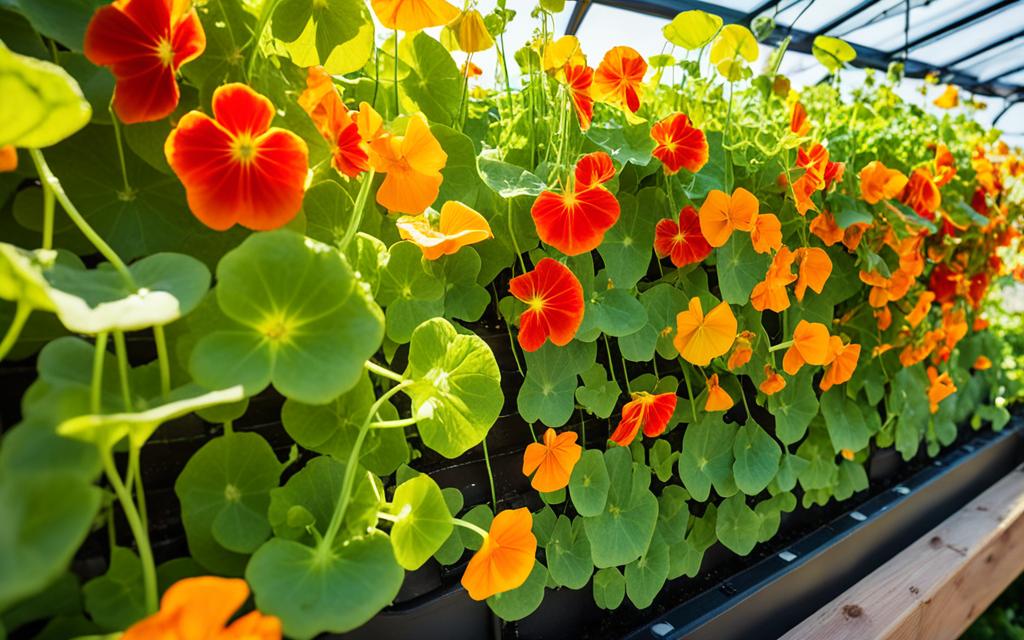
(423, 524)
(622, 532)
(568, 554)
(646, 575)
(434, 84)
(692, 30)
(293, 316)
(523, 600)
(314, 591)
(42, 103)
(833, 53)
(116, 599)
(757, 458)
(707, 458)
(738, 525)
(794, 407)
(456, 387)
(509, 180)
(337, 34)
(609, 588)
(740, 268)
(411, 292)
(589, 484)
(224, 491)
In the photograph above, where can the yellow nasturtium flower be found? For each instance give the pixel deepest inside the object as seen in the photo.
(732, 49)
(564, 51)
(467, 33)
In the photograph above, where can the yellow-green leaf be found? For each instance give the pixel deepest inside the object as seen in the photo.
(833, 53)
(692, 29)
(42, 104)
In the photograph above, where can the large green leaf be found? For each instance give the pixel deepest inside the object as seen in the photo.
(757, 458)
(315, 592)
(622, 532)
(646, 575)
(224, 491)
(293, 315)
(627, 246)
(568, 554)
(434, 84)
(692, 30)
(846, 426)
(738, 525)
(116, 600)
(609, 588)
(598, 395)
(613, 312)
(624, 143)
(739, 268)
(423, 521)
(589, 484)
(509, 180)
(673, 514)
(462, 181)
(833, 53)
(523, 600)
(411, 292)
(337, 34)
(456, 391)
(42, 103)
(708, 458)
(662, 302)
(63, 20)
(550, 384)
(794, 407)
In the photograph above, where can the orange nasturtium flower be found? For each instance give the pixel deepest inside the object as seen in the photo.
(575, 221)
(144, 42)
(8, 158)
(766, 236)
(810, 346)
(580, 79)
(771, 293)
(413, 164)
(798, 122)
(742, 351)
(236, 168)
(554, 299)
(945, 165)
(553, 460)
(647, 411)
(700, 338)
(878, 182)
(949, 99)
(841, 363)
(718, 398)
(982, 363)
(199, 608)
(505, 559)
(814, 268)
(679, 145)
(921, 194)
(940, 387)
(773, 382)
(722, 214)
(334, 122)
(470, 69)
(681, 241)
(920, 310)
(619, 78)
(413, 15)
(457, 226)
(825, 227)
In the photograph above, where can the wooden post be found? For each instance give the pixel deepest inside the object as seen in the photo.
(935, 588)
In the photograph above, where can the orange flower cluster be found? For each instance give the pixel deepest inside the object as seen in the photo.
(813, 270)
(819, 174)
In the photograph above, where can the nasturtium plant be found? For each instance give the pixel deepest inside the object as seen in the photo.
(371, 310)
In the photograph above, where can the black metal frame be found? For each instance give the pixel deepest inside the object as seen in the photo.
(870, 57)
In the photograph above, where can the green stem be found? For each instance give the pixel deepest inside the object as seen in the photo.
(326, 544)
(135, 467)
(395, 53)
(382, 515)
(512, 235)
(122, 370)
(120, 146)
(508, 80)
(746, 407)
(490, 474)
(138, 532)
(780, 346)
(21, 314)
(689, 392)
(393, 424)
(47, 177)
(96, 388)
(383, 372)
(257, 35)
(48, 207)
(725, 137)
(611, 362)
(229, 427)
(360, 207)
(465, 90)
(472, 527)
(163, 359)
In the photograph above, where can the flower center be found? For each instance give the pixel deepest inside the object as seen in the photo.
(165, 52)
(243, 149)
(536, 303)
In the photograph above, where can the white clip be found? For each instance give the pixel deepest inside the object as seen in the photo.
(858, 516)
(788, 556)
(903, 491)
(662, 629)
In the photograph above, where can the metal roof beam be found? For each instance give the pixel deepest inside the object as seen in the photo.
(840, 19)
(977, 52)
(956, 25)
(579, 12)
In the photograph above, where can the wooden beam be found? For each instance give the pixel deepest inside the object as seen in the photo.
(935, 588)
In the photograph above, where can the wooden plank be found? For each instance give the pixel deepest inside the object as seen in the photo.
(937, 586)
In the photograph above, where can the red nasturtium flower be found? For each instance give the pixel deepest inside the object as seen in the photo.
(457, 226)
(575, 221)
(413, 15)
(645, 411)
(334, 122)
(798, 122)
(236, 168)
(144, 42)
(580, 78)
(679, 145)
(553, 460)
(505, 559)
(554, 299)
(810, 346)
(718, 398)
(619, 78)
(700, 338)
(199, 608)
(681, 241)
(721, 214)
